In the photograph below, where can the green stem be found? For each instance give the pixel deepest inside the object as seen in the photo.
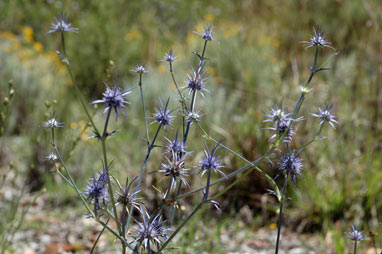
(144, 109)
(279, 222)
(355, 247)
(106, 165)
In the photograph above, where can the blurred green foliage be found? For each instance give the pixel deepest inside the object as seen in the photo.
(257, 62)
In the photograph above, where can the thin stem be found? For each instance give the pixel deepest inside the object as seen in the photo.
(144, 109)
(173, 206)
(207, 185)
(77, 89)
(279, 222)
(182, 100)
(149, 148)
(355, 247)
(98, 237)
(74, 184)
(110, 188)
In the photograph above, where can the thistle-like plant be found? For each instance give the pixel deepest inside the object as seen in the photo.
(105, 194)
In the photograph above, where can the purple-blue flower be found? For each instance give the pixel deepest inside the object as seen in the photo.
(140, 69)
(169, 57)
(326, 115)
(176, 146)
(210, 161)
(196, 82)
(151, 231)
(317, 40)
(162, 115)
(207, 34)
(291, 164)
(61, 25)
(356, 234)
(114, 98)
(96, 190)
(174, 167)
(277, 115)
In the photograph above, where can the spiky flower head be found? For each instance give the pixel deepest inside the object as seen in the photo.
(207, 34)
(162, 115)
(61, 25)
(193, 116)
(96, 190)
(140, 69)
(210, 161)
(176, 146)
(284, 128)
(127, 197)
(169, 57)
(196, 81)
(51, 122)
(277, 114)
(291, 164)
(114, 98)
(356, 234)
(318, 39)
(174, 167)
(151, 231)
(51, 157)
(326, 115)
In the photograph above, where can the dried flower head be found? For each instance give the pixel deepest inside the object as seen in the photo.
(174, 167)
(127, 197)
(326, 115)
(291, 164)
(162, 115)
(151, 231)
(196, 82)
(193, 116)
(318, 39)
(169, 57)
(207, 34)
(61, 25)
(114, 98)
(140, 69)
(51, 122)
(356, 234)
(210, 161)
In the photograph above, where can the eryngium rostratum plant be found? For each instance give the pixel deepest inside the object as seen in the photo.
(107, 201)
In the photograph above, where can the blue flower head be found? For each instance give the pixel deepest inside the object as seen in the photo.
(61, 25)
(196, 82)
(96, 190)
(114, 98)
(174, 167)
(162, 115)
(318, 39)
(169, 57)
(356, 234)
(210, 161)
(291, 164)
(207, 34)
(140, 69)
(151, 231)
(326, 115)
(176, 146)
